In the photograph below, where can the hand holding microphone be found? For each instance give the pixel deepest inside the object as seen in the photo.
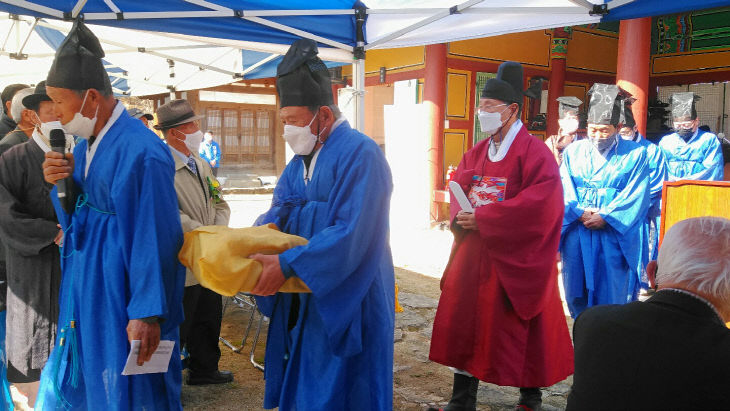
(58, 166)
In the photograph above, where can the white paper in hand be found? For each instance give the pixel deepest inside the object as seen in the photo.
(158, 363)
(460, 197)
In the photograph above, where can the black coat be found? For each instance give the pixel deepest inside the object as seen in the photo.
(28, 227)
(671, 352)
(10, 139)
(15, 137)
(6, 124)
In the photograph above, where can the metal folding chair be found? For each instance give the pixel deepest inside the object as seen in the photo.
(247, 302)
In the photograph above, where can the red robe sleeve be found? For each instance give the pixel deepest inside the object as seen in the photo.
(522, 233)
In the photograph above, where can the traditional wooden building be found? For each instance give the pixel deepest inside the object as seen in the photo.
(650, 57)
(243, 118)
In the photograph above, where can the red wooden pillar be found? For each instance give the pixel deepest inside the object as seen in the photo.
(556, 87)
(434, 97)
(632, 68)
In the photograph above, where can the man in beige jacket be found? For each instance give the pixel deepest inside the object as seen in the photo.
(201, 204)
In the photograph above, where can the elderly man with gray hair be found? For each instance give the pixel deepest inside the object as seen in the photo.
(23, 117)
(671, 352)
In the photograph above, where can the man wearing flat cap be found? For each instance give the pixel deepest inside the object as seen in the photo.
(331, 349)
(200, 205)
(606, 186)
(122, 281)
(499, 318)
(145, 118)
(692, 154)
(569, 121)
(29, 227)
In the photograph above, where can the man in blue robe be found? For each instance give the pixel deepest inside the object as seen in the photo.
(121, 277)
(331, 349)
(692, 154)
(605, 186)
(657, 176)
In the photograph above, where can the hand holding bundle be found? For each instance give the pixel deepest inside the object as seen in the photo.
(218, 257)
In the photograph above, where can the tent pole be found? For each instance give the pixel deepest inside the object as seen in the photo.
(617, 3)
(20, 50)
(259, 64)
(358, 68)
(358, 78)
(77, 8)
(10, 32)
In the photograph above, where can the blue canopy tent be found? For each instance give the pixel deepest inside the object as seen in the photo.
(345, 29)
(54, 38)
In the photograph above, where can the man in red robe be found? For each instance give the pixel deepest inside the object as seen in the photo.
(500, 319)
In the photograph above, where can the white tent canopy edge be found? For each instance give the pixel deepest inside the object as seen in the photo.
(386, 27)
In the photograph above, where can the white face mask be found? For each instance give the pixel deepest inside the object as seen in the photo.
(192, 141)
(568, 125)
(79, 125)
(45, 128)
(300, 139)
(490, 122)
(625, 134)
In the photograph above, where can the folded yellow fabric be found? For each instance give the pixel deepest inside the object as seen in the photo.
(218, 257)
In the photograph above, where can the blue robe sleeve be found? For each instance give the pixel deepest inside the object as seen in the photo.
(573, 210)
(149, 221)
(280, 203)
(63, 217)
(713, 162)
(277, 214)
(340, 262)
(631, 204)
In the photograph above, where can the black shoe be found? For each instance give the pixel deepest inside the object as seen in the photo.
(464, 395)
(530, 399)
(216, 377)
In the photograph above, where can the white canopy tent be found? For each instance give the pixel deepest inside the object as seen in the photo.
(149, 64)
(202, 37)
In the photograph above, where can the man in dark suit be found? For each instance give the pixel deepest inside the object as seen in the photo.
(671, 352)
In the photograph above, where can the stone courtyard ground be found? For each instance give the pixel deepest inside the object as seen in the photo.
(417, 382)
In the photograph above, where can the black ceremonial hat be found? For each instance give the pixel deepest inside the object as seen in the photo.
(78, 65)
(507, 86)
(568, 104)
(39, 94)
(606, 104)
(627, 115)
(683, 105)
(302, 78)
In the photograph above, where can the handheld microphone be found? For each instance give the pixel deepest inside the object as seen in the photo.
(58, 144)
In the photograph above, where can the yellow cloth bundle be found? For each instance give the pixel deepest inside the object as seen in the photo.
(218, 257)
